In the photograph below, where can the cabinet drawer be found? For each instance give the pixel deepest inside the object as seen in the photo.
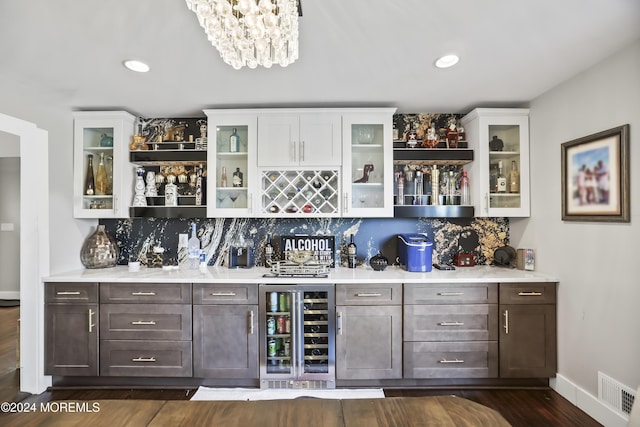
(162, 293)
(369, 294)
(71, 292)
(451, 293)
(145, 321)
(145, 358)
(213, 293)
(451, 360)
(527, 293)
(474, 322)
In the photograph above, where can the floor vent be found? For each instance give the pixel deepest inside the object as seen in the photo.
(616, 394)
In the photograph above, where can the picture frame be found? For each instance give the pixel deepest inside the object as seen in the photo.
(595, 177)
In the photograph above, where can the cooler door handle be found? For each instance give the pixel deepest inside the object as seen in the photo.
(339, 323)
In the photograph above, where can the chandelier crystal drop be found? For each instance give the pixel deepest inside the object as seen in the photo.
(250, 32)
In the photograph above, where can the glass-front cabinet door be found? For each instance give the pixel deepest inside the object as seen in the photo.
(232, 164)
(103, 186)
(500, 174)
(367, 142)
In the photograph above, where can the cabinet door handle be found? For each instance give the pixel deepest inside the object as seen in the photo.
(345, 208)
(251, 322)
(143, 322)
(144, 359)
(450, 294)
(506, 322)
(68, 293)
(91, 324)
(456, 360)
(249, 201)
(486, 202)
(365, 295)
(223, 294)
(293, 151)
(302, 150)
(143, 294)
(339, 323)
(530, 294)
(451, 323)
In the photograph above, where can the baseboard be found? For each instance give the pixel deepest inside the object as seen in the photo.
(587, 402)
(9, 294)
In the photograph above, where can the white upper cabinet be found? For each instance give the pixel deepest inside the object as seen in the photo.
(295, 138)
(367, 168)
(499, 174)
(232, 177)
(102, 174)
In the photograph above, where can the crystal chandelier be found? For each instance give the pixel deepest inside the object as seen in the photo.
(250, 32)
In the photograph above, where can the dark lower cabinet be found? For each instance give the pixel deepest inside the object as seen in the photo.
(71, 329)
(528, 330)
(225, 331)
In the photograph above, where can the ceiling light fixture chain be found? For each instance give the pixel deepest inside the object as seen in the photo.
(250, 32)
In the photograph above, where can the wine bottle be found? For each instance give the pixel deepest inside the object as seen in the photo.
(234, 141)
(514, 178)
(89, 182)
(101, 178)
(352, 250)
(194, 248)
(464, 189)
(501, 181)
(223, 177)
(268, 251)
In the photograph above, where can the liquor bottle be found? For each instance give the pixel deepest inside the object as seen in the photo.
(237, 178)
(418, 188)
(352, 250)
(435, 186)
(234, 141)
(194, 248)
(501, 181)
(268, 252)
(400, 197)
(171, 192)
(223, 177)
(101, 178)
(451, 189)
(198, 191)
(109, 175)
(89, 182)
(514, 178)
(465, 190)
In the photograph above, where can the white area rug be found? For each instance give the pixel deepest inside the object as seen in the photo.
(206, 393)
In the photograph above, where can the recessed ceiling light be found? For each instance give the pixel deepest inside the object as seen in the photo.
(135, 65)
(447, 61)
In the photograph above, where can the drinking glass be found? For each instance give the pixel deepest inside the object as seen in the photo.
(220, 196)
(234, 196)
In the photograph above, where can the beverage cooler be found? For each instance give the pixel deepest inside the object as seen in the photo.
(297, 336)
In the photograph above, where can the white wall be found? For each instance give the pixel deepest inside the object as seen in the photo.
(596, 263)
(9, 216)
(51, 111)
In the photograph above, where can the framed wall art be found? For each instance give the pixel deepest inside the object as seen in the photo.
(595, 177)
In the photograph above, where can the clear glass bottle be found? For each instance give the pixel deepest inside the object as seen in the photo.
(451, 189)
(514, 178)
(501, 181)
(101, 178)
(194, 249)
(234, 141)
(418, 188)
(223, 177)
(465, 195)
(268, 252)
(89, 182)
(435, 186)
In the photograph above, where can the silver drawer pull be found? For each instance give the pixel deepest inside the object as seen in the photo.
(143, 322)
(530, 294)
(223, 294)
(450, 294)
(68, 293)
(144, 359)
(143, 294)
(451, 323)
(456, 360)
(364, 295)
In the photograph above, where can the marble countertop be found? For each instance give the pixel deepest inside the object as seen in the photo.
(361, 275)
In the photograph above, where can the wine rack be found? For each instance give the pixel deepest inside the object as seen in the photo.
(300, 192)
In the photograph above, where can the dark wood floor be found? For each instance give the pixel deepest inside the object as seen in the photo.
(526, 407)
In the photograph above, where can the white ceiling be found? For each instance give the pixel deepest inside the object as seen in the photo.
(352, 53)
